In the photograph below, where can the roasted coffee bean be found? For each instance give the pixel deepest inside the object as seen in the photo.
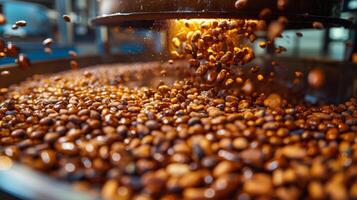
(265, 13)
(47, 50)
(67, 18)
(299, 34)
(316, 78)
(239, 4)
(259, 184)
(48, 157)
(18, 133)
(21, 23)
(11, 50)
(318, 25)
(2, 19)
(74, 65)
(47, 42)
(23, 61)
(72, 54)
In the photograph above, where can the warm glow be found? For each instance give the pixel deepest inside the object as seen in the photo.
(5, 163)
(182, 28)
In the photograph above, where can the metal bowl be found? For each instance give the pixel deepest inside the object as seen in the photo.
(25, 183)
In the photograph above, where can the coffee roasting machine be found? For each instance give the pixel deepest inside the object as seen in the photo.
(340, 76)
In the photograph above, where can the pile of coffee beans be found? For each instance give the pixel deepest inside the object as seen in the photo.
(165, 131)
(135, 136)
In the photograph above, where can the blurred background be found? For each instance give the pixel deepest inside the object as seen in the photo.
(44, 18)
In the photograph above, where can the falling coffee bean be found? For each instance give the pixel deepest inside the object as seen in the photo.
(316, 78)
(72, 54)
(67, 18)
(11, 50)
(47, 42)
(240, 4)
(5, 73)
(23, 61)
(21, 23)
(74, 65)
(299, 34)
(2, 19)
(317, 25)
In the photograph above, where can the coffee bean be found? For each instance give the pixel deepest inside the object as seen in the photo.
(317, 25)
(239, 4)
(5, 73)
(316, 78)
(12, 50)
(74, 65)
(224, 167)
(294, 152)
(48, 50)
(176, 169)
(2, 19)
(192, 179)
(21, 23)
(47, 42)
(67, 148)
(72, 54)
(18, 133)
(253, 156)
(282, 4)
(299, 34)
(67, 18)
(259, 184)
(23, 61)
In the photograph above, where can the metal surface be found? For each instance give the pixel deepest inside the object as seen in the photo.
(313, 7)
(299, 12)
(53, 66)
(24, 183)
(295, 21)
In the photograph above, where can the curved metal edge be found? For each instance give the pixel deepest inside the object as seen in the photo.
(313, 7)
(295, 21)
(25, 183)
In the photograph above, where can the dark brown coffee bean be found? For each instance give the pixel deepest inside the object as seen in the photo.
(67, 18)
(240, 4)
(18, 133)
(72, 54)
(74, 65)
(299, 34)
(21, 23)
(47, 42)
(23, 62)
(317, 25)
(12, 50)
